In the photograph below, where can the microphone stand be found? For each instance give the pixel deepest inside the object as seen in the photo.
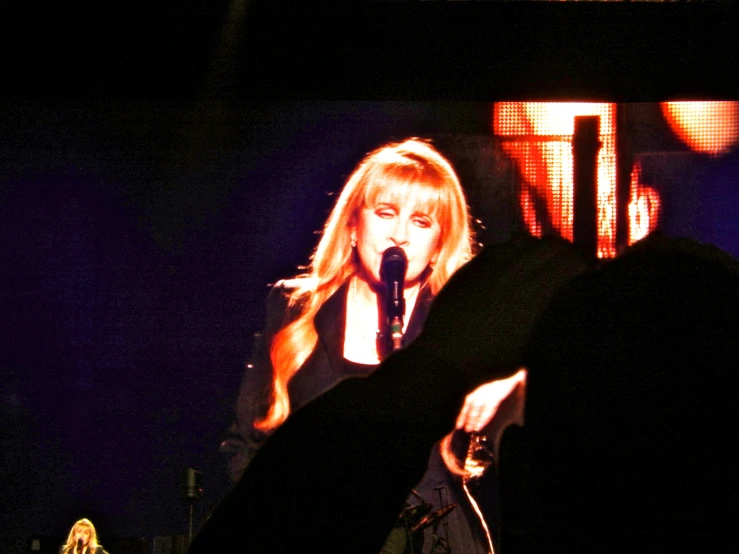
(189, 533)
(396, 333)
(193, 489)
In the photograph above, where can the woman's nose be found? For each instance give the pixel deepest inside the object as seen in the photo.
(399, 234)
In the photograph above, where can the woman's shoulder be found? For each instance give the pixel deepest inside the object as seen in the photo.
(283, 300)
(285, 290)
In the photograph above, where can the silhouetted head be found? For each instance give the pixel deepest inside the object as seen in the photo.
(630, 425)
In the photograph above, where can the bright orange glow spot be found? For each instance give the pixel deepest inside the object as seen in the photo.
(706, 127)
(537, 136)
(644, 207)
(526, 200)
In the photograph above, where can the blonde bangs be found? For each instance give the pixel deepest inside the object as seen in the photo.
(426, 192)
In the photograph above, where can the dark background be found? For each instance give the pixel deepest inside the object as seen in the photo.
(161, 163)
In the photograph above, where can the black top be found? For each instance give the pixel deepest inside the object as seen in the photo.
(324, 369)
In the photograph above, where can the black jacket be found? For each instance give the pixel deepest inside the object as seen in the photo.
(323, 369)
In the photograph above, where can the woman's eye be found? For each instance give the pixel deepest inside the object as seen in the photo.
(422, 222)
(386, 214)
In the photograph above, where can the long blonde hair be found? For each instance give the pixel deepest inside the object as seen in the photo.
(71, 543)
(412, 170)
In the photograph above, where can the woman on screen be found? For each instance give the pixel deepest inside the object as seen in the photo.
(329, 323)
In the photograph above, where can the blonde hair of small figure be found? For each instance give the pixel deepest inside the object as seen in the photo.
(71, 543)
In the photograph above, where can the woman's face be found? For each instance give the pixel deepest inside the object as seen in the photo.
(393, 224)
(83, 533)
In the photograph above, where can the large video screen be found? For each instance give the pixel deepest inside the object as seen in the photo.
(141, 239)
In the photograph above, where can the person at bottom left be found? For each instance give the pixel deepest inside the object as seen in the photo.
(82, 539)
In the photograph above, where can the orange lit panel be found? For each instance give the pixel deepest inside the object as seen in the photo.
(706, 127)
(537, 136)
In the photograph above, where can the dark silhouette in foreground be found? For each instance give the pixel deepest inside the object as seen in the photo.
(629, 398)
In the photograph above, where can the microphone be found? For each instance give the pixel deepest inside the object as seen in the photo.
(79, 545)
(392, 272)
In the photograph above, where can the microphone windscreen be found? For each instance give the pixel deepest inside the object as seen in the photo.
(394, 264)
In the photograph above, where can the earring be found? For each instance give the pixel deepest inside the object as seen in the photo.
(354, 240)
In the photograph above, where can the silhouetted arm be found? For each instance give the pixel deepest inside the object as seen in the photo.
(335, 475)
